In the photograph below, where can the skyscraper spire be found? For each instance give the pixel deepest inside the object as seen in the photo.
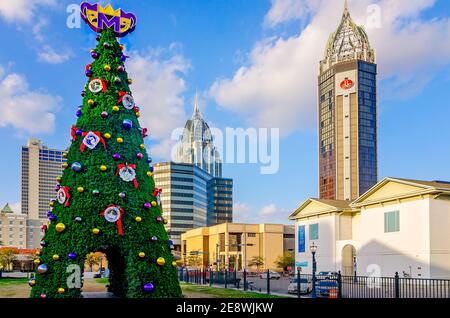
(346, 11)
(196, 113)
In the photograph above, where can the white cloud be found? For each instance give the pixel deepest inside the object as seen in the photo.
(48, 55)
(158, 87)
(21, 10)
(277, 85)
(241, 213)
(24, 109)
(286, 10)
(268, 210)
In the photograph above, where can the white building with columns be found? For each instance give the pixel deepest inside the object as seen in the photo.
(399, 225)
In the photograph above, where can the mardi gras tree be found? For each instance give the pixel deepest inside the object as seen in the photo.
(106, 197)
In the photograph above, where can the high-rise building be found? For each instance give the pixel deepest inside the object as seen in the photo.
(197, 145)
(220, 201)
(347, 110)
(184, 198)
(40, 167)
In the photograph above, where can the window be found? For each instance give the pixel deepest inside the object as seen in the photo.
(313, 232)
(391, 221)
(251, 234)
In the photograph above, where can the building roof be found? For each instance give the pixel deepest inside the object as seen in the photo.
(348, 42)
(381, 192)
(7, 209)
(314, 206)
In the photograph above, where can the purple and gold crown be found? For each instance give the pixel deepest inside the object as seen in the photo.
(99, 18)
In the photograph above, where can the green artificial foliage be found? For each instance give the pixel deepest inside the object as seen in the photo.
(128, 271)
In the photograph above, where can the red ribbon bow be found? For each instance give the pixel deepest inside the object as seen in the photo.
(82, 146)
(144, 132)
(73, 132)
(88, 66)
(119, 221)
(121, 95)
(66, 191)
(157, 192)
(44, 228)
(122, 165)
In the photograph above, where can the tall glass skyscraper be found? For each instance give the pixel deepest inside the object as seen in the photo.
(347, 111)
(197, 144)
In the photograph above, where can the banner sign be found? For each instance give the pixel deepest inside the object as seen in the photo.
(301, 239)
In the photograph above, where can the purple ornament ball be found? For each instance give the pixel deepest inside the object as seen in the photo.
(78, 113)
(139, 156)
(72, 255)
(79, 132)
(88, 73)
(127, 124)
(52, 218)
(104, 114)
(116, 156)
(123, 58)
(120, 68)
(94, 54)
(147, 205)
(82, 93)
(148, 287)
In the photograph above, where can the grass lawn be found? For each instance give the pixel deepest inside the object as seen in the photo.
(197, 291)
(13, 281)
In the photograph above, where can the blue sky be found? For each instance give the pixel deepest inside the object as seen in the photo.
(254, 63)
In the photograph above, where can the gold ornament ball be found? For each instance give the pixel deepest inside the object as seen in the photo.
(37, 253)
(122, 47)
(80, 189)
(64, 165)
(141, 254)
(37, 261)
(51, 203)
(142, 146)
(161, 261)
(91, 50)
(61, 290)
(60, 227)
(64, 155)
(95, 231)
(107, 67)
(166, 221)
(138, 219)
(119, 140)
(149, 174)
(154, 203)
(107, 135)
(58, 179)
(103, 168)
(91, 102)
(55, 257)
(130, 81)
(116, 108)
(138, 114)
(174, 264)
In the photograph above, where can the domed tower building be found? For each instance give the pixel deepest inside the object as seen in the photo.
(197, 146)
(347, 111)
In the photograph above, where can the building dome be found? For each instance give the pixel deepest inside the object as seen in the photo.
(348, 42)
(196, 144)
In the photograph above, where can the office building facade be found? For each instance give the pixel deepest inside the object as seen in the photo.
(347, 110)
(220, 201)
(13, 228)
(40, 167)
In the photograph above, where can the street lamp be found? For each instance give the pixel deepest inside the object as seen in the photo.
(313, 248)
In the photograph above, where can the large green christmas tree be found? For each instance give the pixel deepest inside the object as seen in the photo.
(106, 197)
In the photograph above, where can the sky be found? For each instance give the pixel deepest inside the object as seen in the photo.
(254, 64)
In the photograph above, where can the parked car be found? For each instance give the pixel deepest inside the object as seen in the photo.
(305, 286)
(326, 282)
(272, 275)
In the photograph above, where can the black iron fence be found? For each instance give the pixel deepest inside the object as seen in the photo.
(329, 285)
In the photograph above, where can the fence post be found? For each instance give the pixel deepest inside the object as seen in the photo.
(226, 278)
(268, 282)
(298, 283)
(245, 279)
(339, 283)
(181, 274)
(187, 275)
(210, 276)
(397, 285)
